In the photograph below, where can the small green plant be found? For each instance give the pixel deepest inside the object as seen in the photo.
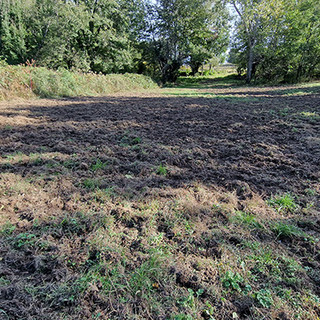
(190, 300)
(283, 230)
(70, 164)
(98, 165)
(110, 192)
(246, 219)
(24, 240)
(311, 115)
(7, 229)
(182, 316)
(74, 224)
(283, 203)
(284, 112)
(4, 281)
(129, 141)
(264, 297)
(232, 280)
(35, 159)
(162, 170)
(310, 192)
(91, 184)
(209, 311)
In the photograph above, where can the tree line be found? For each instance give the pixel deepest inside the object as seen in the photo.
(270, 40)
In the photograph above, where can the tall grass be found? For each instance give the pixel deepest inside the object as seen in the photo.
(30, 81)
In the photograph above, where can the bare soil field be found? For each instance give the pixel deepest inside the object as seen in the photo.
(197, 202)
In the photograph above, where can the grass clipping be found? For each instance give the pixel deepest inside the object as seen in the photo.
(29, 81)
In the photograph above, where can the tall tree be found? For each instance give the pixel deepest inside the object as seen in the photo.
(182, 30)
(249, 28)
(13, 31)
(277, 40)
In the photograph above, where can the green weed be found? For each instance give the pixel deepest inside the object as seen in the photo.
(35, 159)
(310, 115)
(25, 240)
(283, 203)
(98, 165)
(130, 141)
(264, 297)
(7, 229)
(162, 170)
(284, 112)
(310, 192)
(283, 230)
(70, 164)
(183, 317)
(190, 300)
(4, 281)
(232, 280)
(245, 219)
(91, 184)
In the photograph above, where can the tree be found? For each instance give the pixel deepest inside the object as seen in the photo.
(277, 40)
(183, 30)
(214, 40)
(249, 29)
(83, 34)
(12, 31)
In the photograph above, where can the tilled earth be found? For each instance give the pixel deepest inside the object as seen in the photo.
(238, 144)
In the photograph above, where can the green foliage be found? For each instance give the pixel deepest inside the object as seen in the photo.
(7, 229)
(162, 170)
(246, 219)
(189, 301)
(98, 165)
(25, 239)
(184, 30)
(84, 35)
(264, 297)
(283, 203)
(25, 81)
(130, 140)
(283, 230)
(277, 41)
(91, 183)
(232, 280)
(127, 284)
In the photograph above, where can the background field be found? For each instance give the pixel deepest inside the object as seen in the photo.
(198, 201)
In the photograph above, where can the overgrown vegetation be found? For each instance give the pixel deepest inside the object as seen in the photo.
(29, 81)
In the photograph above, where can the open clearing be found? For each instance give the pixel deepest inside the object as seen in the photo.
(196, 202)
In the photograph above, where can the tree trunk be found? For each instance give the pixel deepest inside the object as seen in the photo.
(194, 68)
(250, 64)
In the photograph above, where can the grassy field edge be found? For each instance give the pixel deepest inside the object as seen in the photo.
(30, 82)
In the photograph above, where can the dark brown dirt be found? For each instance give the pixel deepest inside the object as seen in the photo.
(266, 144)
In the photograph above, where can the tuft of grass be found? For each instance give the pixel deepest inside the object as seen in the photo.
(98, 165)
(283, 230)
(91, 183)
(245, 218)
(311, 115)
(283, 203)
(7, 229)
(130, 141)
(162, 170)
